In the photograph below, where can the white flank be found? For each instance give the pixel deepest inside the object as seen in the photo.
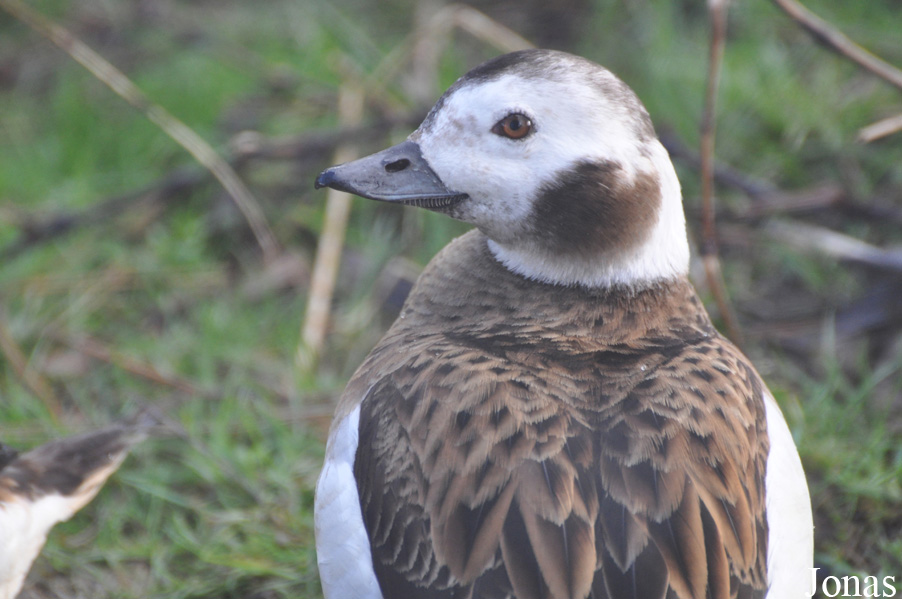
(342, 546)
(790, 538)
(23, 531)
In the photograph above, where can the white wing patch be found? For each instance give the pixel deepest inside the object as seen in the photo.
(790, 538)
(342, 545)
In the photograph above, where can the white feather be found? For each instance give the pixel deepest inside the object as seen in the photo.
(790, 538)
(342, 545)
(23, 531)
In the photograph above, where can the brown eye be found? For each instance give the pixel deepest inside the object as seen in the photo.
(513, 126)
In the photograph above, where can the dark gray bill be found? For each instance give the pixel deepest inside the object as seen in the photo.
(398, 174)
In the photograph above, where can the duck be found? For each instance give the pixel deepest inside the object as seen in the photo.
(553, 414)
(50, 483)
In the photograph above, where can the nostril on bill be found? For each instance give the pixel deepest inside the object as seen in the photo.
(397, 165)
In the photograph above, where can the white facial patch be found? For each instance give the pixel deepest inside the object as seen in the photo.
(503, 175)
(575, 121)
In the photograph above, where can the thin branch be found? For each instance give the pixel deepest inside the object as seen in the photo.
(484, 28)
(838, 41)
(880, 129)
(177, 130)
(434, 32)
(883, 210)
(816, 197)
(247, 148)
(34, 232)
(717, 10)
(724, 174)
(331, 240)
(769, 199)
(313, 145)
(811, 238)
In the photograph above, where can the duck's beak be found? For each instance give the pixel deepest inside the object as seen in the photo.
(398, 174)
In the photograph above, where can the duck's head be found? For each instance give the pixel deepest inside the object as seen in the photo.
(554, 159)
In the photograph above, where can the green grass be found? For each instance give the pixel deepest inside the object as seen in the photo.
(226, 511)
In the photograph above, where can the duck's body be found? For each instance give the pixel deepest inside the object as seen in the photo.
(49, 484)
(553, 414)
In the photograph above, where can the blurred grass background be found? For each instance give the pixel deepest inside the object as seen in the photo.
(169, 277)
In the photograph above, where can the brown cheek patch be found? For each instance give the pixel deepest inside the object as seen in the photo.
(590, 209)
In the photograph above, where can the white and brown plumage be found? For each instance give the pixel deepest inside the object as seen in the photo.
(553, 414)
(49, 484)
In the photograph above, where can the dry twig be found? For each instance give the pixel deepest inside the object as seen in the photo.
(811, 238)
(37, 231)
(717, 10)
(331, 240)
(838, 41)
(434, 33)
(724, 174)
(482, 27)
(880, 129)
(769, 200)
(817, 197)
(177, 130)
(247, 148)
(312, 146)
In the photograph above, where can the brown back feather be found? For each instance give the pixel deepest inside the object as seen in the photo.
(582, 443)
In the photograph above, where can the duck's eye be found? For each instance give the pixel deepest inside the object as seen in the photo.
(513, 126)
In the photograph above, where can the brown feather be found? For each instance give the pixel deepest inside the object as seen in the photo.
(645, 578)
(583, 442)
(680, 540)
(718, 565)
(623, 535)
